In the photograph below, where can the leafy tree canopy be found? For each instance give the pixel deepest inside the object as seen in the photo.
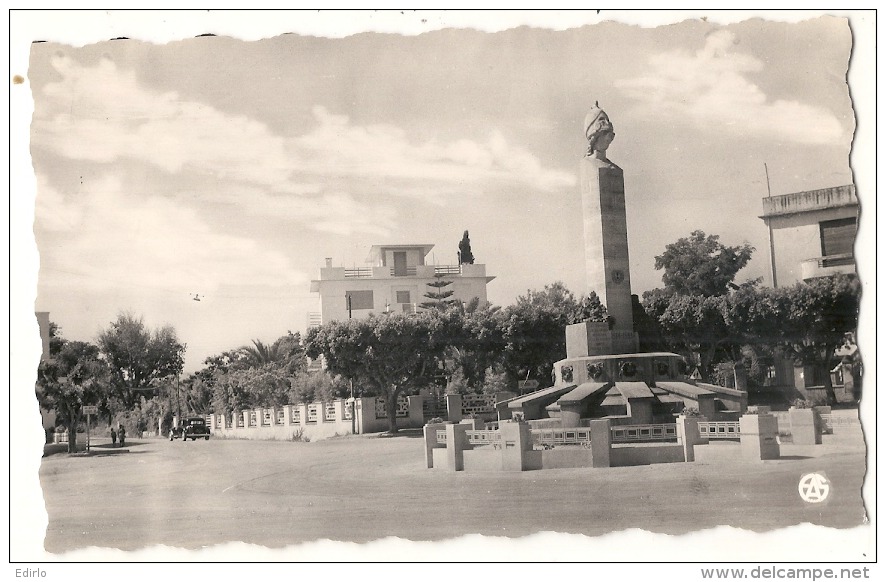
(701, 265)
(72, 377)
(535, 329)
(138, 357)
(385, 355)
(317, 386)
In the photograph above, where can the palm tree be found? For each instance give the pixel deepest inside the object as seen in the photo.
(260, 353)
(286, 352)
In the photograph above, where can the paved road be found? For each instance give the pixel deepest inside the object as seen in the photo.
(197, 494)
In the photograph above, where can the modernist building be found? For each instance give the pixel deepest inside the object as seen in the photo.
(397, 281)
(811, 234)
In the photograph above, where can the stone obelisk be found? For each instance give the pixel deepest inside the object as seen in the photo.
(606, 246)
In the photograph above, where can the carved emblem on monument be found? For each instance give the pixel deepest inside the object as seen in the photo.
(566, 373)
(628, 369)
(617, 276)
(595, 370)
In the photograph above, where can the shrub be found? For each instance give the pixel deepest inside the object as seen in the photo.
(298, 436)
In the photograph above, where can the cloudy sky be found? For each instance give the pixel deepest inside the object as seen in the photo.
(231, 168)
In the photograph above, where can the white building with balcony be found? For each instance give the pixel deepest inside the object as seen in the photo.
(811, 234)
(397, 280)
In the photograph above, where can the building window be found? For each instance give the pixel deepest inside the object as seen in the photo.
(403, 297)
(837, 236)
(359, 300)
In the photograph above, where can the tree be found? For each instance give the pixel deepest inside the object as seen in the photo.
(386, 355)
(72, 377)
(259, 354)
(649, 331)
(439, 297)
(196, 394)
(317, 386)
(818, 315)
(230, 391)
(56, 341)
(475, 344)
(286, 352)
(590, 308)
(701, 265)
(250, 376)
(693, 325)
(465, 256)
(137, 357)
(535, 332)
(808, 322)
(239, 389)
(224, 362)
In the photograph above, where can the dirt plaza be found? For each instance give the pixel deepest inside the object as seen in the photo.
(274, 494)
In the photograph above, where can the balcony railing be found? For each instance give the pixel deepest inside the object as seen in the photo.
(447, 270)
(412, 271)
(836, 260)
(358, 272)
(826, 266)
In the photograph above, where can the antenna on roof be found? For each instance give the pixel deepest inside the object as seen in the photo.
(768, 190)
(769, 227)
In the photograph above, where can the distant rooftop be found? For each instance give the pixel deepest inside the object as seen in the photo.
(809, 201)
(376, 251)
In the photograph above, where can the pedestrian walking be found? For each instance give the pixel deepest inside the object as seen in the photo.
(122, 433)
(113, 436)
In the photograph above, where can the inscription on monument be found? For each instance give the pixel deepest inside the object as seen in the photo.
(599, 338)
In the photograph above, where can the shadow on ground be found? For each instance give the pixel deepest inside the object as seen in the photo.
(410, 433)
(95, 448)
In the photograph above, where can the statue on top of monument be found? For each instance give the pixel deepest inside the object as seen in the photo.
(599, 131)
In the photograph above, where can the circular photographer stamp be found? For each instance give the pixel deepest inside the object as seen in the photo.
(814, 487)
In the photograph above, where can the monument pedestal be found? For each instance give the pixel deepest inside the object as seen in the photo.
(594, 338)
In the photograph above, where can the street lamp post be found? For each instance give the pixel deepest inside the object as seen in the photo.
(178, 402)
(353, 405)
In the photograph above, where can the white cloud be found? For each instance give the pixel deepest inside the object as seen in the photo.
(321, 175)
(109, 237)
(102, 114)
(336, 147)
(711, 88)
(326, 211)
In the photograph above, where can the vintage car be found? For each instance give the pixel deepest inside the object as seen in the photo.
(194, 427)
